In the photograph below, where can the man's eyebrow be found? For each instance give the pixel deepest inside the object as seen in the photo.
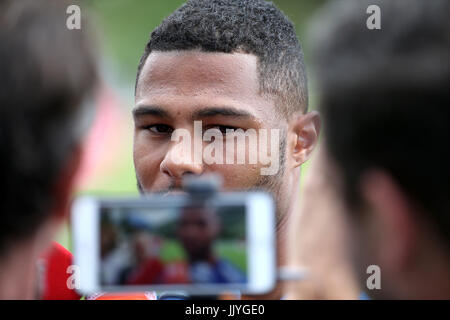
(221, 111)
(141, 110)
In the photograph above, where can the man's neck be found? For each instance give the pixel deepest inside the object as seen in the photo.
(208, 257)
(431, 278)
(282, 230)
(18, 273)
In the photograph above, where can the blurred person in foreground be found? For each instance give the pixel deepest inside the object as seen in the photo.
(385, 99)
(233, 65)
(46, 73)
(317, 240)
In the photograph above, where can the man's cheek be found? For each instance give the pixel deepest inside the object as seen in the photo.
(147, 167)
(237, 176)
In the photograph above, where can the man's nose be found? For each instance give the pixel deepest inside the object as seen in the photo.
(179, 162)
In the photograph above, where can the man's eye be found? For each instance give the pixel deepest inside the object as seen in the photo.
(159, 129)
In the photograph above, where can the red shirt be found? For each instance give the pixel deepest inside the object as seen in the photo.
(56, 263)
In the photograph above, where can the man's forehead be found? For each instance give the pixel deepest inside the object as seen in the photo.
(193, 72)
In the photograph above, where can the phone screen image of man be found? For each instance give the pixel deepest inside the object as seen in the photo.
(187, 245)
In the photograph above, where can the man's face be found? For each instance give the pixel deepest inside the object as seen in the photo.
(197, 230)
(177, 88)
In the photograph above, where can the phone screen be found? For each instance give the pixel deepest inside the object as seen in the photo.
(189, 244)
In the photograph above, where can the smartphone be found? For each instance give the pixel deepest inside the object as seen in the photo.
(175, 243)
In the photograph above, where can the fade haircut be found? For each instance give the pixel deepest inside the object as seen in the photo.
(248, 26)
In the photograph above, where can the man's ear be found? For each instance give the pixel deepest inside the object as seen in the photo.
(305, 129)
(65, 183)
(394, 226)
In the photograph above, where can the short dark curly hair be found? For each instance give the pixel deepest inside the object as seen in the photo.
(250, 26)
